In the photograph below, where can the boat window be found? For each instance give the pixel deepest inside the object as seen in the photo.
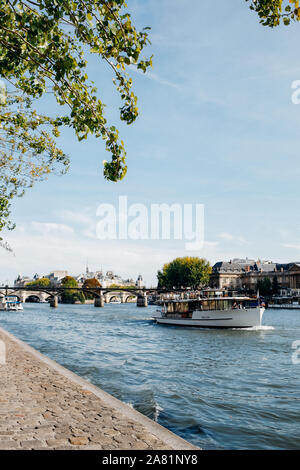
(251, 303)
(181, 307)
(220, 304)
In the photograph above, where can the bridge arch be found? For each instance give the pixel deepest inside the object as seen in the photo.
(123, 296)
(130, 298)
(33, 298)
(23, 295)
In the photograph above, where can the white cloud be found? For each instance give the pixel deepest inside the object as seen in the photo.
(84, 221)
(41, 247)
(50, 228)
(229, 237)
(291, 245)
(75, 217)
(155, 78)
(226, 236)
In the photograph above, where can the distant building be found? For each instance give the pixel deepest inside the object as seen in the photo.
(139, 282)
(106, 280)
(245, 273)
(22, 281)
(56, 276)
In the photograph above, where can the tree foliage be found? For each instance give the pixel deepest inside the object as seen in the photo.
(90, 284)
(265, 286)
(275, 285)
(42, 282)
(28, 151)
(44, 45)
(184, 272)
(273, 12)
(70, 295)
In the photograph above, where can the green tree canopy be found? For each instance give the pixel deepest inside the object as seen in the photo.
(184, 272)
(275, 285)
(44, 46)
(273, 12)
(28, 151)
(70, 295)
(42, 282)
(265, 286)
(69, 281)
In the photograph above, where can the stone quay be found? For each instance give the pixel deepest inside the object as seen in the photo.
(45, 406)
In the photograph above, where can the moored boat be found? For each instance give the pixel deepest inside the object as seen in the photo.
(212, 312)
(115, 301)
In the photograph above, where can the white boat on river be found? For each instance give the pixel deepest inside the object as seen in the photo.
(212, 312)
(10, 303)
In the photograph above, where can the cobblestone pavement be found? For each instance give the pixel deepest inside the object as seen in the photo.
(40, 408)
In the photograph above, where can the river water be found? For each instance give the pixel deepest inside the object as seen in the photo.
(219, 389)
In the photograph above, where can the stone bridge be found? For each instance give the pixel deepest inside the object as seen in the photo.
(124, 297)
(27, 295)
(101, 295)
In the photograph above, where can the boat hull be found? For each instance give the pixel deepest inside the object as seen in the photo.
(240, 318)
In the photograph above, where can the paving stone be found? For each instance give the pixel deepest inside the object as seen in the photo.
(79, 441)
(33, 444)
(57, 442)
(41, 408)
(5, 445)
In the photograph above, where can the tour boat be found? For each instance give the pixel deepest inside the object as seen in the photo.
(10, 303)
(212, 312)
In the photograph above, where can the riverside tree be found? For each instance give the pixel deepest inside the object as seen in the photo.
(44, 47)
(273, 12)
(91, 283)
(264, 286)
(41, 282)
(70, 295)
(184, 272)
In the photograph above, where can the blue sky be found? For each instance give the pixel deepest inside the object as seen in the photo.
(217, 126)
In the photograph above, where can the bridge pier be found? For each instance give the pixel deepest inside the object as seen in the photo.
(142, 300)
(99, 301)
(54, 301)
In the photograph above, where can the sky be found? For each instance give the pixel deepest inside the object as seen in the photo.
(217, 127)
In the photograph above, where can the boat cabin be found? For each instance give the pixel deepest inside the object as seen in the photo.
(186, 307)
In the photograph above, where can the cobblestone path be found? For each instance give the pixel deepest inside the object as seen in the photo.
(42, 408)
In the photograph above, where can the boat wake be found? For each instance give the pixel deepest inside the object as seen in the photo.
(257, 328)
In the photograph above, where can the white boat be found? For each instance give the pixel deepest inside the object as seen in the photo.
(10, 303)
(115, 301)
(212, 312)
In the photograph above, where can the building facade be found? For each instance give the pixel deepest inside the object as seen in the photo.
(246, 273)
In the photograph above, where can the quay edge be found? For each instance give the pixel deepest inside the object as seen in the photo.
(167, 438)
